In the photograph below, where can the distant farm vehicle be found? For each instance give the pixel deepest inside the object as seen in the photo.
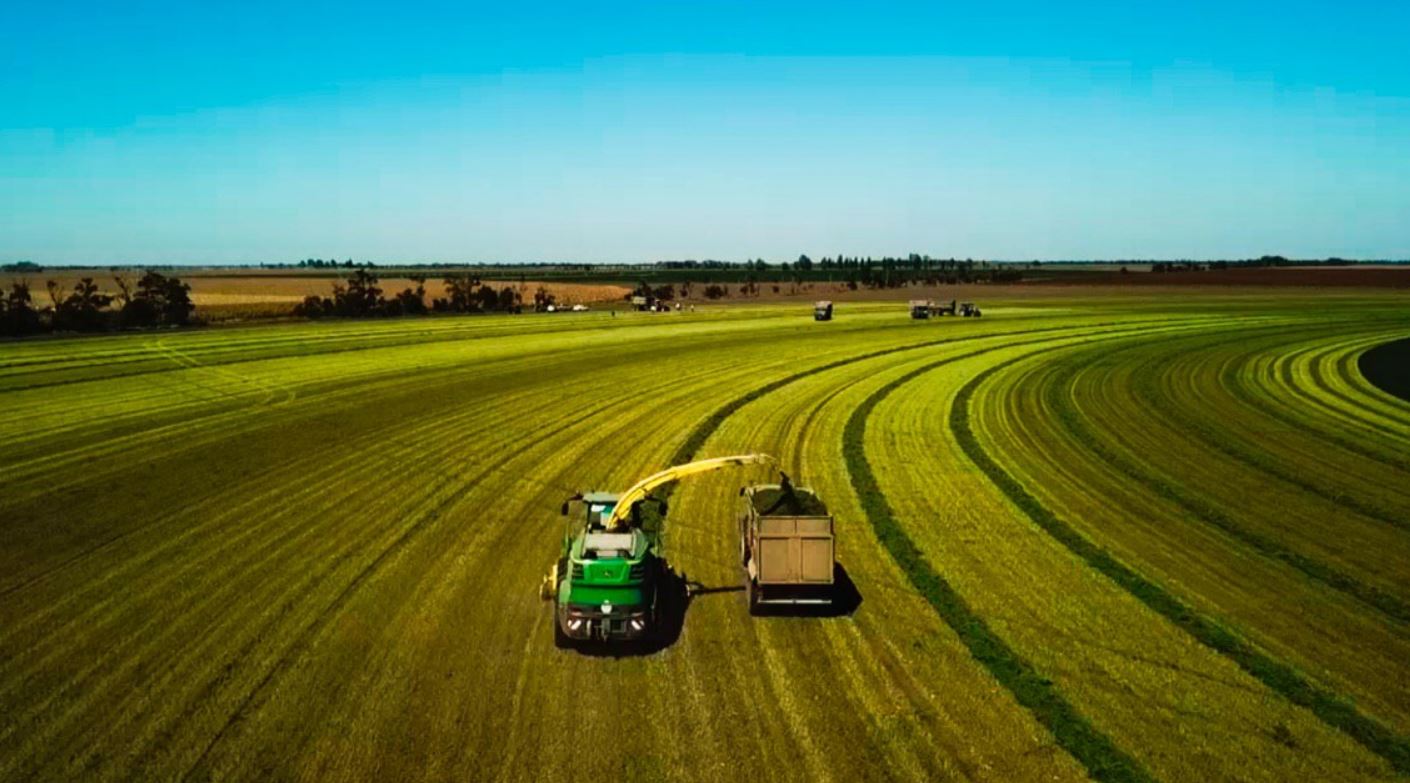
(580, 308)
(970, 310)
(785, 546)
(944, 309)
(607, 583)
(643, 303)
(822, 311)
(920, 308)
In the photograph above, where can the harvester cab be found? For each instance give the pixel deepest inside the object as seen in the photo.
(604, 583)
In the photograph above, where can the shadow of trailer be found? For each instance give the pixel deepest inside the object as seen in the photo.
(786, 547)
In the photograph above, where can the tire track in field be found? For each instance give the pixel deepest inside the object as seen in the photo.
(275, 394)
(1058, 398)
(1280, 677)
(1073, 732)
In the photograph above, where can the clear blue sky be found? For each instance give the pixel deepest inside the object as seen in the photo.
(253, 131)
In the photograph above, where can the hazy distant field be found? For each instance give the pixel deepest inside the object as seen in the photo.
(1131, 539)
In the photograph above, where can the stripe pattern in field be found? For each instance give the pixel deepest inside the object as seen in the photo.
(311, 551)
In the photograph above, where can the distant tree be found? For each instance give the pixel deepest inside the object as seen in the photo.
(486, 299)
(313, 307)
(460, 292)
(82, 310)
(509, 300)
(413, 301)
(19, 316)
(804, 264)
(542, 299)
(157, 301)
(715, 291)
(361, 296)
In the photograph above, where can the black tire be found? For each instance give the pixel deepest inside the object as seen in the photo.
(753, 593)
(561, 640)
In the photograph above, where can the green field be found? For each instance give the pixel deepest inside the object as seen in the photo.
(1158, 538)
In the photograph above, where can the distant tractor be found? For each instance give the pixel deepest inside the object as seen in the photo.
(970, 310)
(920, 308)
(822, 311)
(785, 546)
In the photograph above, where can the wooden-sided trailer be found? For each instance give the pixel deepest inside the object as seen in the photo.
(786, 546)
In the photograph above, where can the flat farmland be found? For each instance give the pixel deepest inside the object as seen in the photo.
(1091, 537)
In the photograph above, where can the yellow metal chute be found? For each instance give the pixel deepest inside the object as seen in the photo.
(641, 489)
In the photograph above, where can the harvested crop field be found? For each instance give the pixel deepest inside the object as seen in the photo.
(219, 295)
(1106, 537)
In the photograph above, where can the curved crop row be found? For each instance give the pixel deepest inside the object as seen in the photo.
(1275, 674)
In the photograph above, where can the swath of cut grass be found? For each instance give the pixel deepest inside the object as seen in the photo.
(1072, 731)
(1330, 708)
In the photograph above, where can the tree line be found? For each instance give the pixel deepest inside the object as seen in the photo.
(154, 300)
(360, 295)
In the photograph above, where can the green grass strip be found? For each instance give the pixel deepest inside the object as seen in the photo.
(1073, 732)
(1330, 708)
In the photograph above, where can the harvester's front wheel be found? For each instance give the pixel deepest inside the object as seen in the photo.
(561, 640)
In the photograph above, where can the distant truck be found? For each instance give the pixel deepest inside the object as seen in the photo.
(822, 311)
(920, 308)
(785, 546)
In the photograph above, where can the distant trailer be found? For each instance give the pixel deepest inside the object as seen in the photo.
(945, 309)
(822, 311)
(920, 308)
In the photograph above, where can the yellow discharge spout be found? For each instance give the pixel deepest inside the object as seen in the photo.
(642, 488)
